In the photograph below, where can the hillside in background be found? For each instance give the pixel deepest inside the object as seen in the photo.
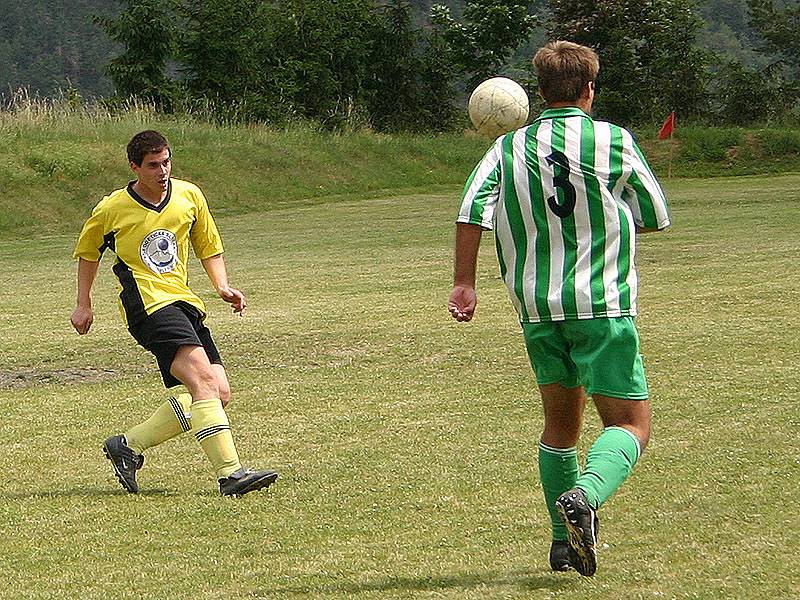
(61, 162)
(727, 32)
(53, 44)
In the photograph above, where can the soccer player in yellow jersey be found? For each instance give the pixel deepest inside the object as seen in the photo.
(150, 225)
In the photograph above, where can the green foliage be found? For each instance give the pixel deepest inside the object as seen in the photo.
(328, 42)
(146, 29)
(52, 44)
(746, 95)
(235, 59)
(779, 142)
(490, 31)
(709, 144)
(255, 59)
(779, 28)
(342, 64)
(409, 87)
(392, 81)
(649, 64)
(727, 34)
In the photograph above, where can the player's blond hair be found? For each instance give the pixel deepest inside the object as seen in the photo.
(564, 69)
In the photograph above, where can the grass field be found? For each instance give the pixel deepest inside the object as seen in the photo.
(406, 442)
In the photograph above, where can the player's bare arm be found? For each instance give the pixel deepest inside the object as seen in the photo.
(463, 298)
(83, 315)
(218, 274)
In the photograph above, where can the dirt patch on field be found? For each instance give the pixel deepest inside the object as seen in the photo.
(22, 378)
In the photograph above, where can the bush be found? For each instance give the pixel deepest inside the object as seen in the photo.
(778, 142)
(746, 96)
(707, 144)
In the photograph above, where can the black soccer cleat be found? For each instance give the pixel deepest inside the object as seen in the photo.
(126, 462)
(246, 480)
(582, 524)
(559, 556)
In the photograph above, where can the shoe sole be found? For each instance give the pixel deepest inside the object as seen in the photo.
(254, 486)
(128, 488)
(586, 554)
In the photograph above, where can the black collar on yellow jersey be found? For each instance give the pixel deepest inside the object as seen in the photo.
(156, 207)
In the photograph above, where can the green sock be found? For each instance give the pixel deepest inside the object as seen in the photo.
(608, 464)
(211, 428)
(168, 420)
(558, 471)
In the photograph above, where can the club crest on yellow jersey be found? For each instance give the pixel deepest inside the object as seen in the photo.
(159, 251)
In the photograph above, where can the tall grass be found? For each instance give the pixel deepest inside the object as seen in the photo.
(57, 159)
(779, 142)
(709, 145)
(59, 156)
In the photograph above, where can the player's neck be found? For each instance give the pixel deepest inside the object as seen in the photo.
(584, 105)
(152, 196)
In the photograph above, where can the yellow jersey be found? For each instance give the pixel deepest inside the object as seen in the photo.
(152, 245)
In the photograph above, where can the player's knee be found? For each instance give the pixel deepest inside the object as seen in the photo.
(224, 394)
(643, 434)
(640, 424)
(222, 384)
(204, 385)
(561, 434)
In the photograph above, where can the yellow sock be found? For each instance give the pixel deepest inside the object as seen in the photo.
(211, 428)
(168, 420)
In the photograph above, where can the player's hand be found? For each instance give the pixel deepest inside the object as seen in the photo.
(462, 302)
(81, 319)
(233, 297)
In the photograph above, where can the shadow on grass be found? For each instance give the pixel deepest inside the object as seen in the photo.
(199, 492)
(523, 580)
(84, 493)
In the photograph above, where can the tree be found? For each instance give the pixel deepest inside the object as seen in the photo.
(490, 31)
(264, 60)
(748, 96)
(328, 42)
(337, 62)
(409, 85)
(234, 58)
(649, 64)
(145, 29)
(778, 28)
(392, 79)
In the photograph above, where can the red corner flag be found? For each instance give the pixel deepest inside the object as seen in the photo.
(668, 127)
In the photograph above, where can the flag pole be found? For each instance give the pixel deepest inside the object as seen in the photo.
(671, 148)
(667, 131)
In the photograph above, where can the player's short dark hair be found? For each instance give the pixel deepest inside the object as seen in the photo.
(563, 70)
(145, 142)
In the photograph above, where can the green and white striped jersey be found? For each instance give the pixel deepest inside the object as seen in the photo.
(564, 197)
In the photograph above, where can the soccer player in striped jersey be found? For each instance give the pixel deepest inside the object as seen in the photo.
(150, 225)
(566, 197)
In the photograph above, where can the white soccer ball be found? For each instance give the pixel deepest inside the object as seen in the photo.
(497, 106)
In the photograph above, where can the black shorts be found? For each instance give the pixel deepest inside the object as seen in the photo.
(169, 328)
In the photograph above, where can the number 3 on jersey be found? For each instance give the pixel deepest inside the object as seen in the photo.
(560, 166)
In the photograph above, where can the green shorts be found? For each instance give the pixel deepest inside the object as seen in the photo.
(602, 355)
